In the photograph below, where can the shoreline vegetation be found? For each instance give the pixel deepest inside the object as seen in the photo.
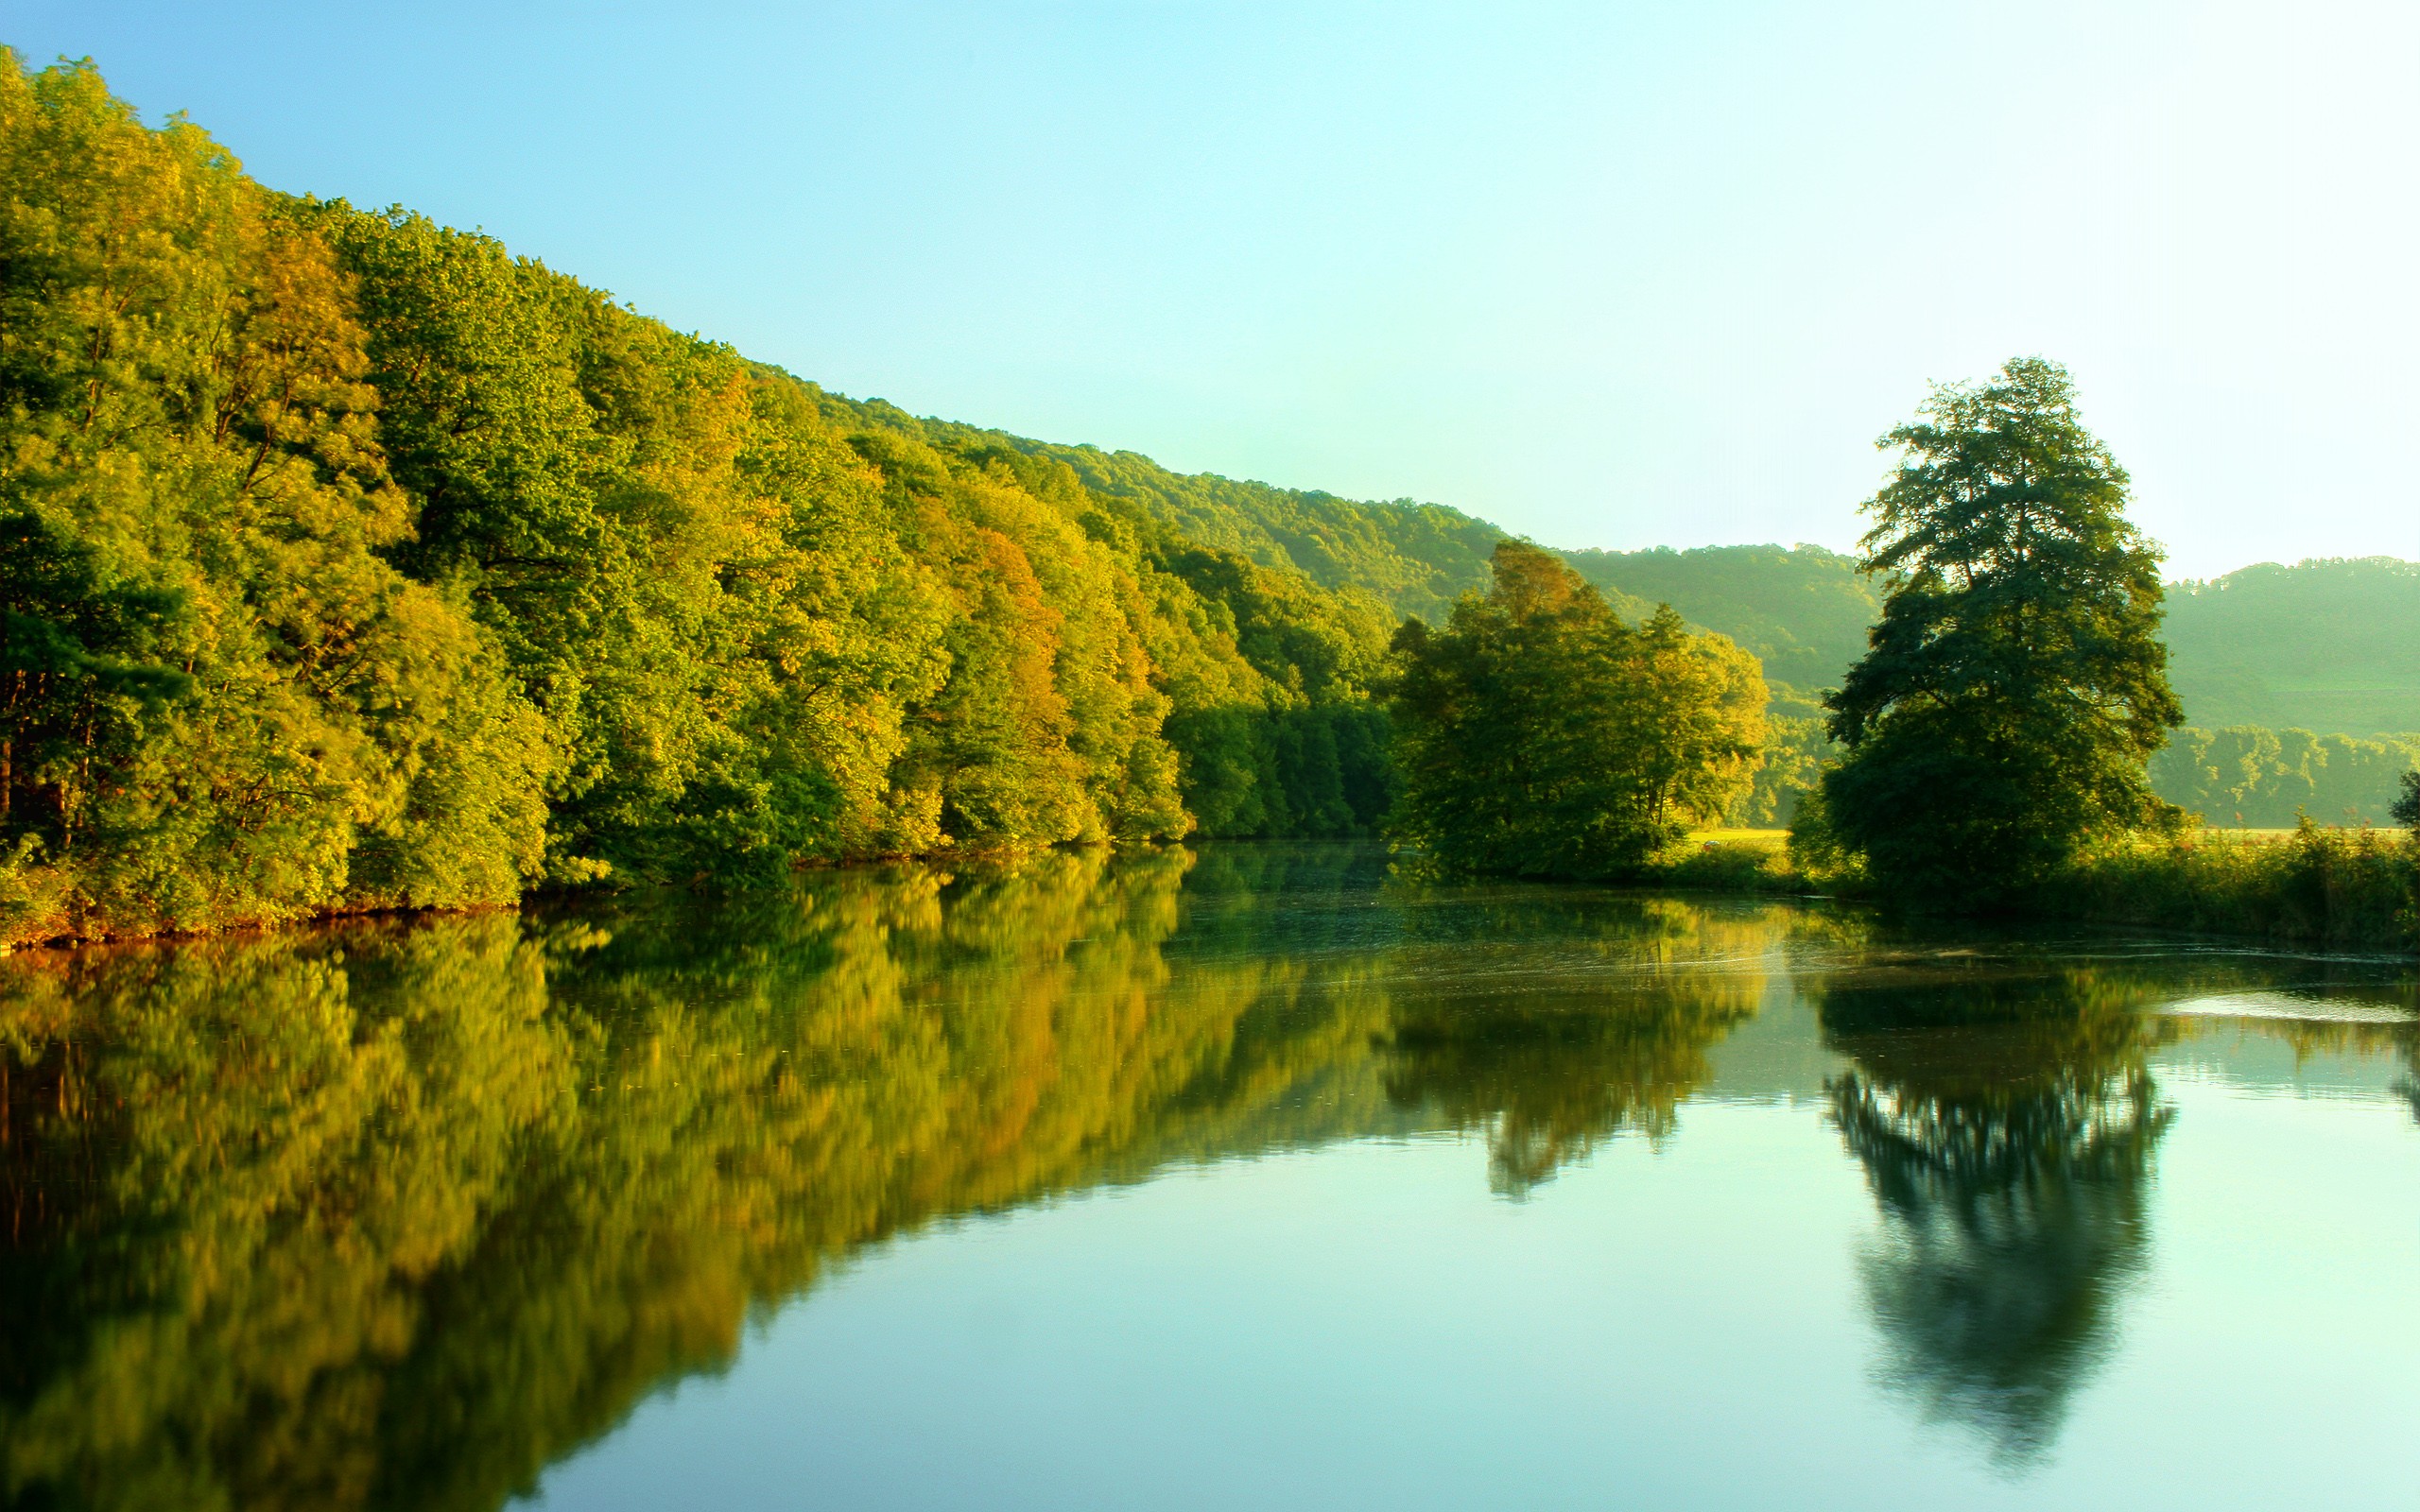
(2347, 888)
(350, 565)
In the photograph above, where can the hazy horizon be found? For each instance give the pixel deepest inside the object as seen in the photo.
(1609, 279)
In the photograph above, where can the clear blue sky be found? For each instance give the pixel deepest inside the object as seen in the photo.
(1608, 275)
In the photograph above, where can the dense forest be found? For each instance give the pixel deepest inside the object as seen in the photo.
(349, 561)
(1413, 559)
(353, 562)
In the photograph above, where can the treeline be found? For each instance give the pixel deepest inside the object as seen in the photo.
(2246, 775)
(348, 561)
(1415, 558)
(2270, 779)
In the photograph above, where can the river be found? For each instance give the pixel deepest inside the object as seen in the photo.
(1250, 1176)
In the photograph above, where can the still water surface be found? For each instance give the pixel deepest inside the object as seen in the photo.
(1247, 1177)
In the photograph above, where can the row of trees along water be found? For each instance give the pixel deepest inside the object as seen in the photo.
(348, 563)
(395, 1214)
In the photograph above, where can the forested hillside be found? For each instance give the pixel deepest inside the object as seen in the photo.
(1802, 609)
(348, 561)
(1414, 559)
(2332, 647)
(352, 562)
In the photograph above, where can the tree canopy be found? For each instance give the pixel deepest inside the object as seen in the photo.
(1539, 734)
(2016, 685)
(353, 562)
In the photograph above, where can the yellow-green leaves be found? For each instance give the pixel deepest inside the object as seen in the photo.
(217, 690)
(1539, 735)
(354, 562)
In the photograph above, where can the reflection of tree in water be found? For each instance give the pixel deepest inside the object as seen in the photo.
(394, 1216)
(2400, 1040)
(1600, 1046)
(1551, 1078)
(2005, 1122)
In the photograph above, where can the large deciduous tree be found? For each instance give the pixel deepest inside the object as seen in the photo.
(2016, 684)
(1538, 734)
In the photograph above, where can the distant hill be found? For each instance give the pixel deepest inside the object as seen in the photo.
(2330, 646)
(1414, 559)
(1802, 609)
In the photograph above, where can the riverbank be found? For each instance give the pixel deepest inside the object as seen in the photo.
(2351, 887)
(2347, 888)
(45, 908)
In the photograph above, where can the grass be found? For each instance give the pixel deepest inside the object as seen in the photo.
(1755, 861)
(2324, 886)
(2350, 887)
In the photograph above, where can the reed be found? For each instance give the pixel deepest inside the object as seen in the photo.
(2355, 888)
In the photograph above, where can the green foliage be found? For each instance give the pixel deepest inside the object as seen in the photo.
(2346, 887)
(2016, 686)
(1412, 559)
(353, 562)
(2327, 646)
(2332, 647)
(223, 701)
(1730, 864)
(1537, 735)
(1796, 751)
(2268, 779)
(348, 561)
(1802, 610)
